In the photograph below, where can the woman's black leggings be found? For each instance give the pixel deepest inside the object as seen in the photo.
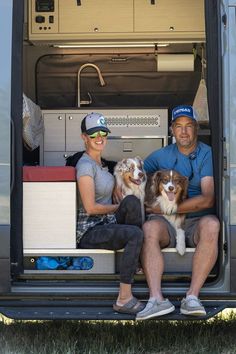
(126, 234)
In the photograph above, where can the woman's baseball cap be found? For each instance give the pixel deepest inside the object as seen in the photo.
(93, 122)
(184, 111)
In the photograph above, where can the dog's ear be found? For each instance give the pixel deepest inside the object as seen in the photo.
(121, 166)
(156, 178)
(152, 190)
(148, 191)
(139, 160)
(118, 167)
(184, 182)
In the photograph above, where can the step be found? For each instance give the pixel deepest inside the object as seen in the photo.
(98, 310)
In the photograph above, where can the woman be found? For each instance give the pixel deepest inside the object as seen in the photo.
(102, 224)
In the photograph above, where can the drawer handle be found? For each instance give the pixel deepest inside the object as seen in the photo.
(60, 118)
(65, 156)
(70, 117)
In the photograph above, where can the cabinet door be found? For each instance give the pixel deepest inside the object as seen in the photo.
(117, 149)
(74, 141)
(54, 158)
(169, 16)
(54, 134)
(95, 16)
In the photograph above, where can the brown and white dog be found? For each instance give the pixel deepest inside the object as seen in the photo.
(167, 189)
(131, 179)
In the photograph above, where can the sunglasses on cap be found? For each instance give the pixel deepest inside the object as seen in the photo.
(99, 133)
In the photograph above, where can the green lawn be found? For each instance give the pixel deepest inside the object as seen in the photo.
(217, 335)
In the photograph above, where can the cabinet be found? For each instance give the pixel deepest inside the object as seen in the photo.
(49, 207)
(133, 132)
(111, 20)
(171, 16)
(61, 138)
(54, 132)
(95, 16)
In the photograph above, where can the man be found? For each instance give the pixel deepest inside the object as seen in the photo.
(194, 160)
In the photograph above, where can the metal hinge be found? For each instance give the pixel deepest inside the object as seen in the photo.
(225, 163)
(224, 19)
(225, 247)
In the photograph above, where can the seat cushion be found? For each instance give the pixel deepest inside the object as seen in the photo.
(49, 174)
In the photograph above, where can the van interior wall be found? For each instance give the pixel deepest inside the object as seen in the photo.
(132, 80)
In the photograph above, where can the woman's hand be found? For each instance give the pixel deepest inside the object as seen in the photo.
(117, 195)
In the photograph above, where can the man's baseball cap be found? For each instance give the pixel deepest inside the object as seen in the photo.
(184, 111)
(93, 122)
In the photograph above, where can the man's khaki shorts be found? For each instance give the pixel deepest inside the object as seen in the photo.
(190, 228)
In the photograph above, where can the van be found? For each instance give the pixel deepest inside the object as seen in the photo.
(133, 61)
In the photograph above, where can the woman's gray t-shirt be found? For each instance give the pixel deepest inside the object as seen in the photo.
(103, 180)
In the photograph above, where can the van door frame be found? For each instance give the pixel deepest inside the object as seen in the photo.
(5, 128)
(16, 243)
(11, 39)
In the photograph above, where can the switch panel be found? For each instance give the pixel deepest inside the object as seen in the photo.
(43, 16)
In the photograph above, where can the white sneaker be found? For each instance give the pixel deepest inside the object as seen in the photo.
(155, 308)
(192, 306)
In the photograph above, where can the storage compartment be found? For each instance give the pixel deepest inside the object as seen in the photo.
(49, 208)
(176, 17)
(94, 261)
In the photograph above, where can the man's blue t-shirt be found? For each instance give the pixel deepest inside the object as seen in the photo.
(195, 166)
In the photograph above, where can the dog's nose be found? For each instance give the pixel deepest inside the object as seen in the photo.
(141, 174)
(171, 188)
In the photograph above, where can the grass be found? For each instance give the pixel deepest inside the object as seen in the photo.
(214, 336)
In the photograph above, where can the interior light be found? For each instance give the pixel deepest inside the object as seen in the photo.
(112, 45)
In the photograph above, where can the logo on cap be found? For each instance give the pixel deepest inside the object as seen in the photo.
(183, 111)
(101, 121)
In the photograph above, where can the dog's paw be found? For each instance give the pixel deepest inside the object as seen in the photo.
(180, 242)
(171, 209)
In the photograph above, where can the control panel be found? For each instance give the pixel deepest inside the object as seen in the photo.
(43, 15)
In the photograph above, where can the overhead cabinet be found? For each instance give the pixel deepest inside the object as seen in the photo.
(108, 20)
(107, 16)
(169, 16)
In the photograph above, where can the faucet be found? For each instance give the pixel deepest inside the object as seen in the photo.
(101, 80)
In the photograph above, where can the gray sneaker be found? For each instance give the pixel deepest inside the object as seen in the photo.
(196, 308)
(155, 308)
